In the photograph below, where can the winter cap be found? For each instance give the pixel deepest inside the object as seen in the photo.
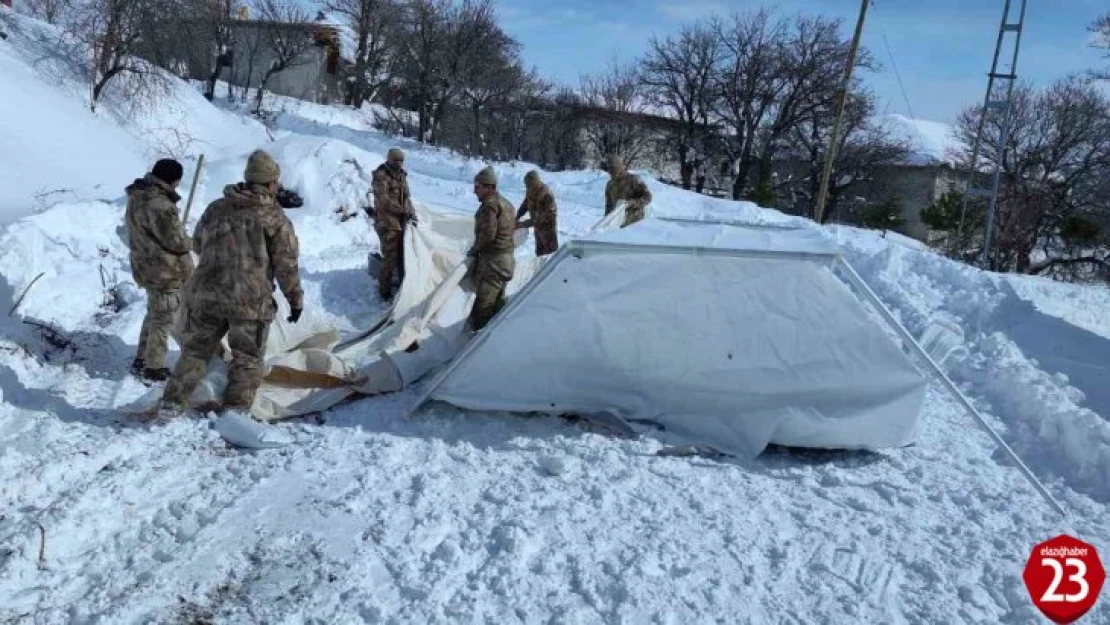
(616, 164)
(532, 177)
(168, 170)
(487, 177)
(261, 168)
(395, 154)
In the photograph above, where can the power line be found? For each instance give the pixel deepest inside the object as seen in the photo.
(898, 75)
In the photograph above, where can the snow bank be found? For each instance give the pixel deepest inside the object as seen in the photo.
(68, 153)
(1040, 414)
(55, 149)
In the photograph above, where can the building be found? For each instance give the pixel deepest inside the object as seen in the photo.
(314, 74)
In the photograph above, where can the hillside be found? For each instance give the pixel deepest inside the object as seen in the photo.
(463, 517)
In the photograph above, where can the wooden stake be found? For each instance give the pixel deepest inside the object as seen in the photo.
(192, 190)
(842, 97)
(19, 300)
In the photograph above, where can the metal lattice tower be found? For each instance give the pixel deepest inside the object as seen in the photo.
(990, 104)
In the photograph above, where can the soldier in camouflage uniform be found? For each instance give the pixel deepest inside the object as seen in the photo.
(539, 205)
(245, 242)
(160, 261)
(393, 211)
(624, 185)
(492, 262)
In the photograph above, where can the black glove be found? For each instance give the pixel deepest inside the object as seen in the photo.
(294, 315)
(289, 199)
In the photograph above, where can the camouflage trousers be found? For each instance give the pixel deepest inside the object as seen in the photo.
(154, 338)
(632, 214)
(392, 244)
(490, 278)
(547, 240)
(200, 340)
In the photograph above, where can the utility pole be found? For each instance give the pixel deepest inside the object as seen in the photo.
(842, 98)
(1001, 105)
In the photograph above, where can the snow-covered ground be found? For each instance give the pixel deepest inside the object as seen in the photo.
(457, 517)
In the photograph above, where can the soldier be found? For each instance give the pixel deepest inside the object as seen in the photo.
(539, 204)
(393, 211)
(492, 253)
(624, 185)
(245, 241)
(160, 261)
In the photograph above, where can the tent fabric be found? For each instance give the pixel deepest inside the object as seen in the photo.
(729, 350)
(718, 236)
(422, 329)
(732, 351)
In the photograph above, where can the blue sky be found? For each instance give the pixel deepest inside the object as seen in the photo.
(942, 48)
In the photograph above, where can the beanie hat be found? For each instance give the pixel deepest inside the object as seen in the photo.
(261, 168)
(168, 170)
(532, 176)
(487, 177)
(616, 164)
(395, 154)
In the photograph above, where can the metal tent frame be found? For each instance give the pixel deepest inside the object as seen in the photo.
(835, 260)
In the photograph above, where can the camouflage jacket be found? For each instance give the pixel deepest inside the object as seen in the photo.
(392, 200)
(626, 186)
(245, 241)
(539, 205)
(159, 246)
(494, 225)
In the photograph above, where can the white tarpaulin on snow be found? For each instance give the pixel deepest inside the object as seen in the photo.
(309, 369)
(726, 336)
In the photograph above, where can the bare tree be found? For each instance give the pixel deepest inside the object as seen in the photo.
(615, 98)
(114, 30)
(285, 38)
(518, 110)
(492, 77)
(420, 43)
(216, 25)
(812, 59)
(49, 11)
(555, 131)
(1053, 205)
(372, 22)
(472, 31)
(679, 74)
(1100, 38)
(170, 36)
(748, 83)
(864, 150)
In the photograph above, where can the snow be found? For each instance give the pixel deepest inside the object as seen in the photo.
(930, 142)
(70, 153)
(449, 516)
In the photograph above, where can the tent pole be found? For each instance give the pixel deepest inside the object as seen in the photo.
(862, 285)
(584, 248)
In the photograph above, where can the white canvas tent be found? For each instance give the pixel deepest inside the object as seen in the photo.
(728, 336)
